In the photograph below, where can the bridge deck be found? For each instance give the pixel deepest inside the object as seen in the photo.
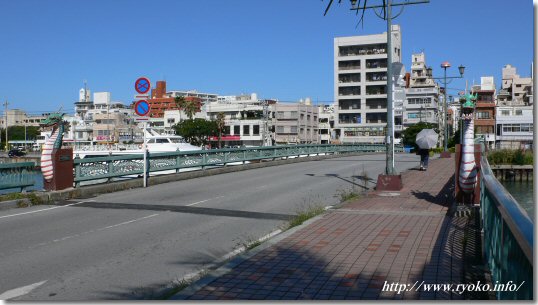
(357, 251)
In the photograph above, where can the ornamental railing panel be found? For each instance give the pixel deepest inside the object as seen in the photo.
(109, 167)
(16, 175)
(508, 238)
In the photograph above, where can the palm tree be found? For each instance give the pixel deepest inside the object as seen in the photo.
(190, 107)
(220, 125)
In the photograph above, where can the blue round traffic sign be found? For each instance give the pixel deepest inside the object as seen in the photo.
(142, 85)
(142, 108)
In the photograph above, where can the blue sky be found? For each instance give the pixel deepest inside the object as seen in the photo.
(279, 49)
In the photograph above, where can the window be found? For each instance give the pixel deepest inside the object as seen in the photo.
(237, 130)
(280, 129)
(519, 112)
(482, 115)
(246, 129)
(171, 121)
(233, 116)
(412, 115)
(505, 112)
(256, 130)
(293, 129)
(293, 114)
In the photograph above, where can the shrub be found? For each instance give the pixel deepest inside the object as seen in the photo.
(508, 156)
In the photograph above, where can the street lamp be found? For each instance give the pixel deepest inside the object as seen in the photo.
(445, 65)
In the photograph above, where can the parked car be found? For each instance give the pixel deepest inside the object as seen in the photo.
(16, 153)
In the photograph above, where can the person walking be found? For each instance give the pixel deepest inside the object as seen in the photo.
(424, 157)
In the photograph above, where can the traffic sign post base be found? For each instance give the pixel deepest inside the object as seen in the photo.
(389, 183)
(445, 154)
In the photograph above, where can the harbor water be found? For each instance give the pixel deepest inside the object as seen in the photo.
(522, 192)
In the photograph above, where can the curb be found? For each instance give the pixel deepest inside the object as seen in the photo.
(235, 261)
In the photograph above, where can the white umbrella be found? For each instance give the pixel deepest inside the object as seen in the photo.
(426, 138)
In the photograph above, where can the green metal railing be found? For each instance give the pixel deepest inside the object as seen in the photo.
(109, 167)
(16, 175)
(508, 238)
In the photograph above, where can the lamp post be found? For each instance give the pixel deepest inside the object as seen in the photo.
(446, 80)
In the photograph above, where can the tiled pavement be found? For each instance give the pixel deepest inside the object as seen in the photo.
(357, 250)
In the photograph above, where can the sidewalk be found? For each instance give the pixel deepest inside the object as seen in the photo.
(351, 253)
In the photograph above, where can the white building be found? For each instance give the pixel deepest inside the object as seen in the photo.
(514, 127)
(422, 96)
(326, 123)
(246, 120)
(514, 117)
(360, 80)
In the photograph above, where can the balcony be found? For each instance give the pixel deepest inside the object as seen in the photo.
(376, 76)
(376, 63)
(349, 78)
(360, 51)
(349, 65)
(346, 91)
(375, 90)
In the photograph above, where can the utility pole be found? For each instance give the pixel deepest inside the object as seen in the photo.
(5, 112)
(386, 14)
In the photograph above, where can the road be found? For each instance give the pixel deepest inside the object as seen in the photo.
(132, 244)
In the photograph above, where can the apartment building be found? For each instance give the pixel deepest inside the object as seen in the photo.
(326, 123)
(161, 101)
(422, 95)
(360, 80)
(485, 110)
(295, 123)
(514, 127)
(246, 120)
(514, 117)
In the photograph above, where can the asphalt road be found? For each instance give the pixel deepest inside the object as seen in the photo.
(132, 244)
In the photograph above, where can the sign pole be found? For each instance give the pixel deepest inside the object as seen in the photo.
(142, 109)
(144, 148)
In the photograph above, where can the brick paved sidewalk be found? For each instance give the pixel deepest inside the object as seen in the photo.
(352, 252)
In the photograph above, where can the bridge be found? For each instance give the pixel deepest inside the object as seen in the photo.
(177, 231)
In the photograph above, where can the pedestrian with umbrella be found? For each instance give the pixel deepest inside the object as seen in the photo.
(426, 139)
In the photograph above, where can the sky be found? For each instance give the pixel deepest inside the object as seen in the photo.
(280, 49)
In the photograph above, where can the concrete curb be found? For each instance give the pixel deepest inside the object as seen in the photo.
(103, 188)
(238, 259)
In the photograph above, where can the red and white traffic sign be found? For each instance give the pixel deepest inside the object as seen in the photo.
(142, 108)
(142, 85)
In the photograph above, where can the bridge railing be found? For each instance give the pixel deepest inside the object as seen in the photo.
(508, 238)
(16, 175)
(109, 167)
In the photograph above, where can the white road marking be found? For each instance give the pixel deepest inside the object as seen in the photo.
(197, 202)
(48, 209)
(92, 231)
(17, 292)
(130, 221)
(202, 201)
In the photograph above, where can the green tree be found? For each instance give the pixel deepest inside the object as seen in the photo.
(196, 131)
(220, 126)
(16, 133)
(410, 133)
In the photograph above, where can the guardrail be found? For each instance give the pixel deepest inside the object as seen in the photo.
(508, 238)
(16, 175)
(109, 167)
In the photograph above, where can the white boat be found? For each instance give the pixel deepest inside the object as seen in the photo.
(155, 142)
